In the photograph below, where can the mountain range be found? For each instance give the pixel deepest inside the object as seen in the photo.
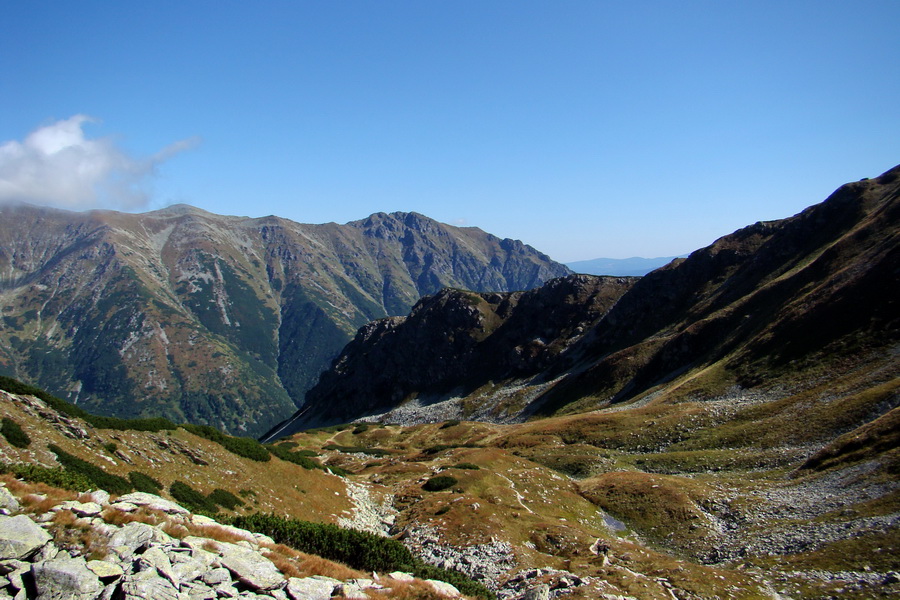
(727, 426)
(213, 319)
(779, 303)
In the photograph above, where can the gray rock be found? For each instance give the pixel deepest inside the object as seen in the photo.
(105, 570)
(20, 537)
(309, 588)
(65, 579)
(126, 507)
(538, 592)
(134, 536)
(154, 502)
(443, 588)
(81, 509)
(188, 567)
(146, 585)
(401, 576)
(351, 591)
(216, 576)
(198, 591)
(8, 501)
(100, 497)
(250, 567)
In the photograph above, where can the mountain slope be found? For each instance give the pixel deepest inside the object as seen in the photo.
(214, 319)
(774, 303)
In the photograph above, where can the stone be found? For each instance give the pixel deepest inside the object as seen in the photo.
(538, 592)
(188, 567)
(65, 579)
(154, 502)
(8, 501)
(443, 588)
(105, 570)
(100, 497)
(216, 576)
(351, 591)
(401, 576)
(250, 567)
(126, 507)
(134, 536)
(20, 537)
(309, 588)
(146, 585)
(81, 509)
(198, 591)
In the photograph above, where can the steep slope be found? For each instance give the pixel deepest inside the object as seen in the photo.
(456, 341)
(784, 302)
(213, 319)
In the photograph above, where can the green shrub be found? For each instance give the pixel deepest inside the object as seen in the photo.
(449, 424)
(14, 433)
(358, 549)
(441, 447)
(144, 483)
(298, 458)
(242, 446)
(98, 477)
(361, 428)
(111, 447)
(467, 466)
(191, 499)
(225, 499)
(61, 478)
(440, 482)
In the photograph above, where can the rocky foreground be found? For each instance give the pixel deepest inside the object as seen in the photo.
(141, 546)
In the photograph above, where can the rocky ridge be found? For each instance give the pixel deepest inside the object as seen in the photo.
(140, 560)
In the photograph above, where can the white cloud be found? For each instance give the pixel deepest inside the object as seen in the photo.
(59, 166)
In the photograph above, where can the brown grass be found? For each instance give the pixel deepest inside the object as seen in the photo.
(71, 533)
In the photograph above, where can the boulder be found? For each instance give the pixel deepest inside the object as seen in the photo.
(65, 579)
(8, 502)
(309, 588)
(81, 509)
(146, 585)
(154, 502)
(20, 537)
(538, 592)
(250, 567)
(443, 588)
(134, 536)
(105, 570)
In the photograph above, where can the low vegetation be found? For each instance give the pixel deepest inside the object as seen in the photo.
(241, 446)
(439, 482)
(97, 476)
(357, 549)
(14, 433)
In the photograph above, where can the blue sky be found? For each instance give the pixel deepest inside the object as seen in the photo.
(585, 129)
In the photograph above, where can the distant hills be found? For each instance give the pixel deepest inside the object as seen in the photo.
(635, 266)
(215, 319)
(781, 303)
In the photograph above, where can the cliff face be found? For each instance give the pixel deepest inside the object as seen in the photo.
(457, 341)
(213, 319)
(771, 303)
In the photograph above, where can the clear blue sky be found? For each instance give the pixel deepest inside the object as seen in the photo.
(585, 129)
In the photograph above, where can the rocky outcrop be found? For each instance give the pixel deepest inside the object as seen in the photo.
(455, 342)
(225, 321)
(141, 561)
